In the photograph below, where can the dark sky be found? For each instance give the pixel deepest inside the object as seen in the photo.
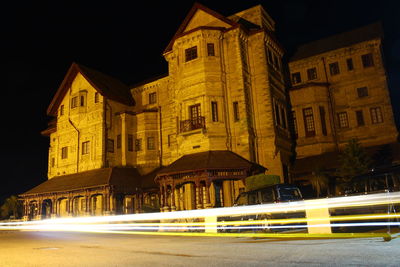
(125, 39)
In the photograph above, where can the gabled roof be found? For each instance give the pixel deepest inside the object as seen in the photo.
(210, 160)
(122, 179)
(106, 85)
(198, 7)
(366, 33)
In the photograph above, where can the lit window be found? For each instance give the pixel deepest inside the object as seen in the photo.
(153, 98)
(130, 142)
(82, 101)
(367, 60)
(334, 68)
(362, 92)
(312, 74)
(74, 102)
(210, 49)
(110, 145)
(350, 65)
(360, 118)
(151, 143)
(309, 122)
(61, 110)
(296, 77)
(343, 121)
(96, 97)
(376, 115)
(138, 144)
(214, 111)
(85, 147)
(191, 53)
(236, 116)
(64, 152)
(119, 141)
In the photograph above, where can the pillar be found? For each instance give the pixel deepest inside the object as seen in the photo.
(227, 192)
(173, 207)
(206, 196)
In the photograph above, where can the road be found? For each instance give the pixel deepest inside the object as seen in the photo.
(86, 249)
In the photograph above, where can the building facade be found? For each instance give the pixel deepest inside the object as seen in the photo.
(188, 139)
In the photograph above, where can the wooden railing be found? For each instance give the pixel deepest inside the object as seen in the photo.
(192, 124)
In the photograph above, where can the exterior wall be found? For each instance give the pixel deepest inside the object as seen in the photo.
(338, 94)
(85, 123)
(77, 125)
(239, 71)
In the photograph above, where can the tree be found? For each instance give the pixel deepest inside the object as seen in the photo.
(319, 180)
(10, 207)
(353, 161)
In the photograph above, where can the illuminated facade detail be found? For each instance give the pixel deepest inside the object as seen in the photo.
(351, 87)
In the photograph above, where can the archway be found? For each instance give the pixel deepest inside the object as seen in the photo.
(62, 207)
(32, 209)
(96, 205)
(47, 206)
(78, 206)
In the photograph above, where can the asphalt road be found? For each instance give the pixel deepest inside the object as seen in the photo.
(85, 249)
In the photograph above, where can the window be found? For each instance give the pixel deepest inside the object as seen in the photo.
(130, 142)
(236, 111)
(191, 53)
(64, 152)
(277, 116)
(367, 60)
(210, 49)
(53, 162)
(138, 144)
(151, 143)
(110, 145)
(85, 147)
(294, 124)
(323, 120)
(96, 97)
(343, 121)
(195, 112)
(296, 77)
(74, 102)
(119, 141)
(360, 118)
(82, 103)
(362, 92)
(376, 115)
(170, 138)
(334, 68)
(153, 98)
(309, 122)
(214, 111)
(350, 65)
(312, 74)
(61, 110)
(283, 117)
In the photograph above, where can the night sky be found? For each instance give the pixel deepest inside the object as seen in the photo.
(125, 39)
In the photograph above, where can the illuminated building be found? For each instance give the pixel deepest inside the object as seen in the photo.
(339, 92)
(185, 140)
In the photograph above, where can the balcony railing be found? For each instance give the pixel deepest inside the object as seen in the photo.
(192, 124)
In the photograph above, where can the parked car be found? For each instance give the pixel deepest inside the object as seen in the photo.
(270, 194)
(267, 195)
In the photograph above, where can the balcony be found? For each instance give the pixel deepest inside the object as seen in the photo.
(192, 124)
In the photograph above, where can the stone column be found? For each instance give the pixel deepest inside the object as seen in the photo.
(198, 200)
(173, 207)
(206, 191)
(181, 198)
(227, 192)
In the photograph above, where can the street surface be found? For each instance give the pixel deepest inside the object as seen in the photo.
(85, 249)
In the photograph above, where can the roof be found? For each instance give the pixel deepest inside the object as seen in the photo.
(368, 32)
(122, 180)
(189, 16)
(217, 159)
(106, 85)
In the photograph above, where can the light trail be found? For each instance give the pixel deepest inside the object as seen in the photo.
(137, 222)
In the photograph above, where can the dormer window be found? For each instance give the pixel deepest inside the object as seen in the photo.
(74, 102)
(191, 53)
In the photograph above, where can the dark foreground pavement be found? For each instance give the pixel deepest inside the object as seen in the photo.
(85, 249)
